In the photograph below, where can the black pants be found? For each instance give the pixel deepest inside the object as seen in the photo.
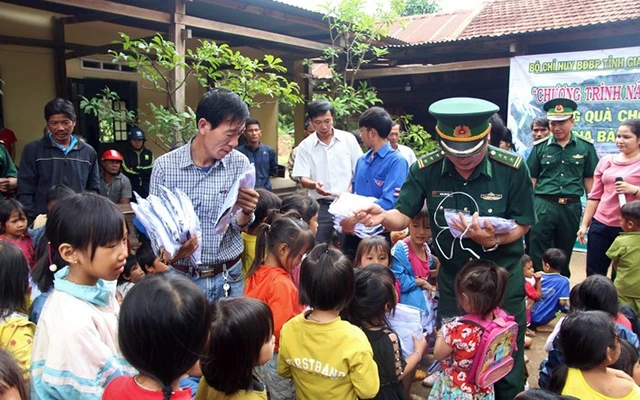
(600, 238)
(325, 223)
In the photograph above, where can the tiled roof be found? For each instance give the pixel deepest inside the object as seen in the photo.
(497, 18)
(508, 17)
(431, 27)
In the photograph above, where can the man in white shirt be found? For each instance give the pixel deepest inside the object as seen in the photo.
(406, 151)
(325, 163)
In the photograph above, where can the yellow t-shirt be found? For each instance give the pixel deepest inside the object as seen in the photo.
(332, 360)
(578, 387)
(16, 337)
(206, 392)
(249, 252)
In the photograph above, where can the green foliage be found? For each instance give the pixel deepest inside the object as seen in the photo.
(416, 137)
(418, 7)
(101, 106)
(210, 64)
(354, 37)
(285, 118)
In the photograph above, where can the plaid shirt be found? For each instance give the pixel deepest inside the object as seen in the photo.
(207, 191)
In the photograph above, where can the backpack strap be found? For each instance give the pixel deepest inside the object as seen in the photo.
(498, 314)
(476, 320)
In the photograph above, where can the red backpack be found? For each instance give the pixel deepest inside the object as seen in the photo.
(493, 359)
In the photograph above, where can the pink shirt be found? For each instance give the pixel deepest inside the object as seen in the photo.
(420, 267)
(604, 179)
(26, 247)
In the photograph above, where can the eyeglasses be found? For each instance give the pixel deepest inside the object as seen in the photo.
(65, 123)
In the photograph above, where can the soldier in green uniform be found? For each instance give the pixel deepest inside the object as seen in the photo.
(561, 167)
(469, 175)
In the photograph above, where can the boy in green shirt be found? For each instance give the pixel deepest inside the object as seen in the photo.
(625, 254)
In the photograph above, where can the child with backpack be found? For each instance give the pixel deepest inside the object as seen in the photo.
(485, 333)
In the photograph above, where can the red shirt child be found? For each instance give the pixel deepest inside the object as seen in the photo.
(14, 228)
(533, 290)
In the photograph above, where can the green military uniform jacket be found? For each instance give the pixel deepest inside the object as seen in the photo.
(7, 167)
(561, 171)
(501, 186)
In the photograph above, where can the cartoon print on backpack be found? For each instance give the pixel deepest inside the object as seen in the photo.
(493, 358)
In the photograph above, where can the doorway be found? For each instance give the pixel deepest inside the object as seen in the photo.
(103, 135)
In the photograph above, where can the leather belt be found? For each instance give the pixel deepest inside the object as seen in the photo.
(207, 270)
(560, 200)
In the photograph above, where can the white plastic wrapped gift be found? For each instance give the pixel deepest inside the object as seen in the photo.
(169, 220)
(346, 206)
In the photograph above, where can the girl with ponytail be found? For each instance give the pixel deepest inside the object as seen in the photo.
(163, 328)
(280, 247)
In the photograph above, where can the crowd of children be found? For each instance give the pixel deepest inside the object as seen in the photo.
(80, 318)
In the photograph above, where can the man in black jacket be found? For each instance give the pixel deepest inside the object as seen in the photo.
(138, 162)
(57, 158)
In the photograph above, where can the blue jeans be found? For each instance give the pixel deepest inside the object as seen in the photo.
(600, 237)
(212, 286)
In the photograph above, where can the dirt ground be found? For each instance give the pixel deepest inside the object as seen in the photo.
(536, 353)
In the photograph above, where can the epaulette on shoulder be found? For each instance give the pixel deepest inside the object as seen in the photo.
(505, 157)
(584, 139)
(430, 158)
(543, 140)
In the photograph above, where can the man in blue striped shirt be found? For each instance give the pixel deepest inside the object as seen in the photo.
(205, 169)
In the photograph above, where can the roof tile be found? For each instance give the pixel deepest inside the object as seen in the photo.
(431, 27)
(506, 17)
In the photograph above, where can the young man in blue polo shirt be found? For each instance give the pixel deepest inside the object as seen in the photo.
(555, 288)
(378, 172)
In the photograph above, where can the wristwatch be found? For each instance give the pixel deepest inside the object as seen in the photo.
(495, 246)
